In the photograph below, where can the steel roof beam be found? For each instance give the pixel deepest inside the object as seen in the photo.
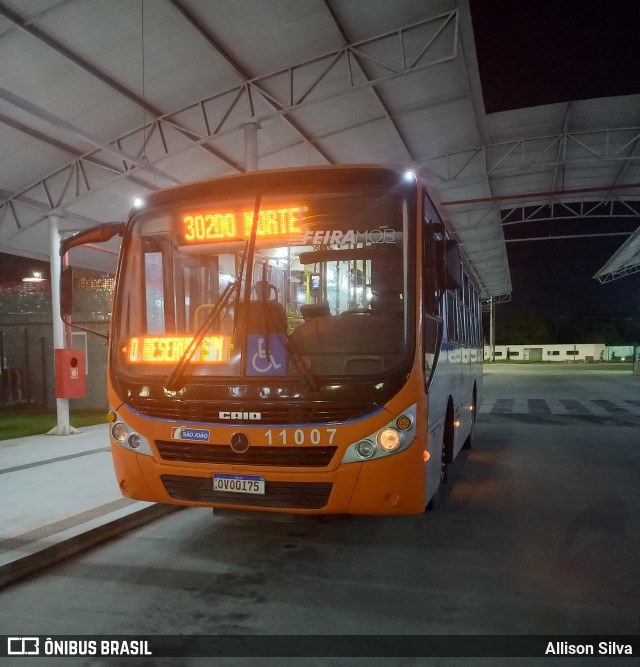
(604, 278)
(40, 136)
(77, 169)
(609, 145)
(539, 195)
(560, 152)
(612, 209)
(89, 138)
(74, 57)
(61, 146)
(623, 262)
(609, 208)
(498, 298)
(242, 73)
(40, 206)
(628, 265)
(91, 69)
(472, 79)
(376, 94)
(72, 183)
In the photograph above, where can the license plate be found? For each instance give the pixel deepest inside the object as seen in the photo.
(251, 484)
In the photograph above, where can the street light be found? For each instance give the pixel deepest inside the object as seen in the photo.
(36, 278)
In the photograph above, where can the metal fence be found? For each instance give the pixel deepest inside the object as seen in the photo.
(27, 374)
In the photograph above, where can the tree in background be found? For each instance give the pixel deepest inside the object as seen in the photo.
(620, 328)
(524, 329)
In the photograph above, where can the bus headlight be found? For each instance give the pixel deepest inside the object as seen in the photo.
(119, 432)
(393, 437)
(124, 436)
(366, 449)
(388, 439)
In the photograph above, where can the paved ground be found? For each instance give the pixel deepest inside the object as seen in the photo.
(539, 533)
(58, 496)
(605, 394)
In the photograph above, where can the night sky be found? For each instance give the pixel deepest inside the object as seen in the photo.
(554, 277)
(13, 268)
(532, 53)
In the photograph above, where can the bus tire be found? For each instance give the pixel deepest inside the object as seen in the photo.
(436, 498)
(447, 442)
(468, 443)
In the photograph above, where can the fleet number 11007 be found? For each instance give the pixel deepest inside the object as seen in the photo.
(300, 437)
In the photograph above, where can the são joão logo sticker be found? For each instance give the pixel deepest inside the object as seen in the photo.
(187, 433)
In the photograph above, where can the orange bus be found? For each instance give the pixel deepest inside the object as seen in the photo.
(299, 340)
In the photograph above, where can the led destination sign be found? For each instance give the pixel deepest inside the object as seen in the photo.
(169, 349)
(206, 226)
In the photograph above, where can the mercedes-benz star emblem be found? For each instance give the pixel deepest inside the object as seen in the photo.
(239, 443)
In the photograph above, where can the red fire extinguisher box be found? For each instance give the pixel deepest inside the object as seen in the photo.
(70, 377)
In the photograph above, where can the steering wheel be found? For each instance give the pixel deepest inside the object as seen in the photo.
(357, 311)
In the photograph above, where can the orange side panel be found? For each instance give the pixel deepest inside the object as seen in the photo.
(392, 485)
(129, 476)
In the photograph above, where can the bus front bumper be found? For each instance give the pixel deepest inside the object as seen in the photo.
(391, 485)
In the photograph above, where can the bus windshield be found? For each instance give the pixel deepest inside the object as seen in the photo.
(324, 291)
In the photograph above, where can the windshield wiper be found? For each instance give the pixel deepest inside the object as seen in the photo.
(302, 367)
(174, 381)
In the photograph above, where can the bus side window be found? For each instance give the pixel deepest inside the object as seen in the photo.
(433, 232)
(452, 318)
(154, 293)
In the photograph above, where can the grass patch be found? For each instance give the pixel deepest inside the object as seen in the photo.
(21, 421)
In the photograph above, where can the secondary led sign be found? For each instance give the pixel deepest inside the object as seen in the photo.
(206, 226)
(169, 349)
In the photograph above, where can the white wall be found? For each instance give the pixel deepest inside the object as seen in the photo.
(557, 353)
(619, 351)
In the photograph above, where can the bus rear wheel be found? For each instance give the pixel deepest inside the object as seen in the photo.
(444, 470)
(436, 498)
(468, 443)
(446, 454)
(447, 443)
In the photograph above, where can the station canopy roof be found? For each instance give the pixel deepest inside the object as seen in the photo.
(102, 102)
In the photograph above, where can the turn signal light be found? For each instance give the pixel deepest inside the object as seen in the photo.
(403, 422)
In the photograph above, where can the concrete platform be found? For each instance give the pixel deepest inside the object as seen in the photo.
(58, 496)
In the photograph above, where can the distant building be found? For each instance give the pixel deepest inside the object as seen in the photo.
(585, 352)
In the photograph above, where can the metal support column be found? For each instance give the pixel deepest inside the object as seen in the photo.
(63, 427)
(492, 332)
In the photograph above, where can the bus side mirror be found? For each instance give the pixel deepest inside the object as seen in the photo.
(99, 234)
(66, 292)
(450, 268)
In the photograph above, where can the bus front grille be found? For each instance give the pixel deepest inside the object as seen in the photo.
(281, 412)
(280, 495)
(301, 457)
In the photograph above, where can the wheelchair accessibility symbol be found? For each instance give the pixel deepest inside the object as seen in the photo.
(266, 359)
